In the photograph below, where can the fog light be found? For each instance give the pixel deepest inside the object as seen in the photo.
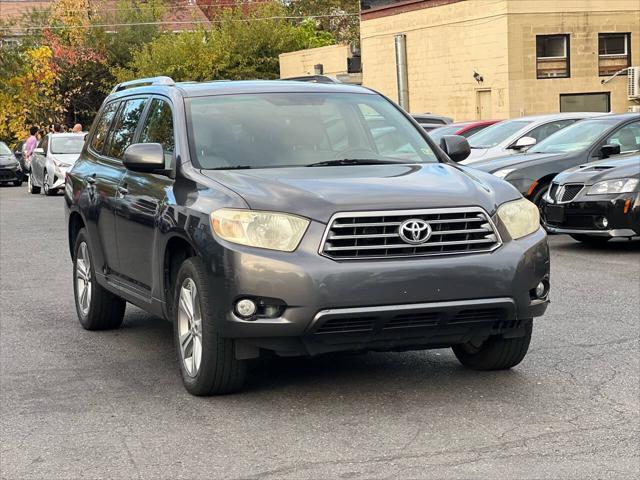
(602, 222)
(541, 290)
(246, 307)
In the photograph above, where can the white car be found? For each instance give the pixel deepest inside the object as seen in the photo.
(519, 134)
(56, 153)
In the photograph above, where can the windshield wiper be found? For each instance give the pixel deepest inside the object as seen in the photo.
(233, 167)
(352, 161)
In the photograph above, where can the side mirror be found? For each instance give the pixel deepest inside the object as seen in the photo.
(455, 146)
(38, 150)
(524, 142)
(144, 157)
(611, 149)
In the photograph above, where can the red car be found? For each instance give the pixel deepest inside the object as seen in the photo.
(466, 129)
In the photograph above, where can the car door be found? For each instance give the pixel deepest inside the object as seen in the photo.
(141, 197)
(38, 161)
(545, 130)
(114, 133)
(626, 135)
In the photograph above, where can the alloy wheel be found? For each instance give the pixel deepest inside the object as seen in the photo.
(45, 184)
(83, 278)
(190, 327)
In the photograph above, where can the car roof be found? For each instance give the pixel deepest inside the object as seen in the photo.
(66, 134)
(225, 87)
(559, 116)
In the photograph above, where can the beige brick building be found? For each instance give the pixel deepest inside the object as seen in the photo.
(531, 56)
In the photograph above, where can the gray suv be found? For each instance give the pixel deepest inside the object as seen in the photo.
(297, 218)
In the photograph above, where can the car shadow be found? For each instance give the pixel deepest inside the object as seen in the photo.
(431, 373)
(617, 245)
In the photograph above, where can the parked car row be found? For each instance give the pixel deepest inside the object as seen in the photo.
(46, 171)
(580, 169)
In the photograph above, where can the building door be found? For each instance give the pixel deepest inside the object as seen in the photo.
(483, 104)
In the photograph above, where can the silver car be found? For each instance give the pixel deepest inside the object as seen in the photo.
(56, 153)
(519, 134)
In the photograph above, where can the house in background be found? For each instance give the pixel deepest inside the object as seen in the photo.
(478, 59)
(179, 15)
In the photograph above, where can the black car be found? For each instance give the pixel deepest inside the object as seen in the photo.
(585, 141)
(10, 170)
(300, 218)
(597, 201)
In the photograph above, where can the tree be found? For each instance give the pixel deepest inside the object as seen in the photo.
(340, 18)
(30, 98)
(239, 45)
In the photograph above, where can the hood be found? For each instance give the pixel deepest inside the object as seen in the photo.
(68, 158)
(609, 169)
(7, 160)
(518, 160)
(319, 192)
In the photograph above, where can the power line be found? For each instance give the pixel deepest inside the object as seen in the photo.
(182, 22)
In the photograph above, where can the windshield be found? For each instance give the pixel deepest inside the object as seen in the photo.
(573, 138)
(495, 134)
(437, 133)
(67, 144)
(4, 150)
(299, 129)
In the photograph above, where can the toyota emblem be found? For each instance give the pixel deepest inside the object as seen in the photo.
(414, 231)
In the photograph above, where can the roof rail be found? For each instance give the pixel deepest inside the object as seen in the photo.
(140, 82)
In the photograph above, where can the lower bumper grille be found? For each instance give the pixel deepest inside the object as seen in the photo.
(491, 313)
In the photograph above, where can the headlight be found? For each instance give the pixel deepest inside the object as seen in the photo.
(504, 172)
(520, 217)
(275, 231)
(621, 185)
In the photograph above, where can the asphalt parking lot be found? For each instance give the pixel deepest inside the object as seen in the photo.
(111, 404)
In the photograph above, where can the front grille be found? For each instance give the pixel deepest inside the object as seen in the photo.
(568, 192)
(362, 235)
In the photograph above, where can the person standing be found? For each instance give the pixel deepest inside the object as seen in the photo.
(29, 146)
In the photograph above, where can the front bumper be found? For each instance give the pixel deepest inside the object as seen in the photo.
(583, 215)
(445, 300)
(60, 174)
(11, 174)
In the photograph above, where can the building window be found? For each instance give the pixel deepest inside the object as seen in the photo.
(552, 56)
(614, 52)
(585, 102)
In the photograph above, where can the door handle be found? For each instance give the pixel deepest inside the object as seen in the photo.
(122, 190)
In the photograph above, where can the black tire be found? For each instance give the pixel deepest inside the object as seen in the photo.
(32, 189)
(496, 353)
(219, 371)
(105, 309)
(45, 186)
(17, 183)
(591, 239)
(539, 194)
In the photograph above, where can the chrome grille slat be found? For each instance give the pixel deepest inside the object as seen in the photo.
(365, 235)
(406, 245)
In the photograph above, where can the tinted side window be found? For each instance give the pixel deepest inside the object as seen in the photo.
(124, 127)
(628, 137)
(543, 131)
(102, 128)
(158, 128)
